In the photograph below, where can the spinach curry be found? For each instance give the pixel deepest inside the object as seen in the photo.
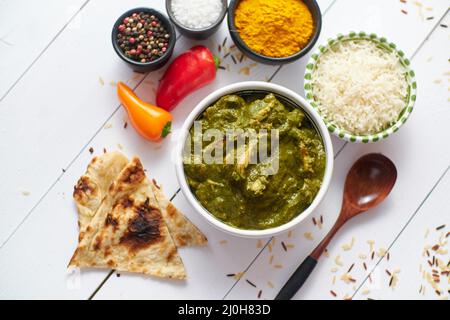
(239, 194)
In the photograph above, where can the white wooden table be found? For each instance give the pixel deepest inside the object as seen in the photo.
(57, 99)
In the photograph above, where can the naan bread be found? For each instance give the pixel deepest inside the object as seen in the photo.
(128, 232)
(183, 232)
(93, 186)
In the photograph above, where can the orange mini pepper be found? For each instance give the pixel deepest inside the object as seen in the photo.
(151, 122)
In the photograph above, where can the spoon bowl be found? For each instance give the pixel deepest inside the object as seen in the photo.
(368, 183)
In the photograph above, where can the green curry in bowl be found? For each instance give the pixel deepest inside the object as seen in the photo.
(243, 193)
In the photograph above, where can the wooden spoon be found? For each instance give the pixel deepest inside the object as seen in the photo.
(368, 183)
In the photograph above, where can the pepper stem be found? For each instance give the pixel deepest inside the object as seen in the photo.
(216, 61)
(166, 130)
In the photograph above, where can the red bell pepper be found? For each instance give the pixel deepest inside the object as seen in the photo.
(189, 71)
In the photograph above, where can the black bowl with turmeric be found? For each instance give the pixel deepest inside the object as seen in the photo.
(275, 31)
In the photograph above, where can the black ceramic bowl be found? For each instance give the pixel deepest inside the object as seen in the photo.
(198, 34)
(155, 64)
(317, 17)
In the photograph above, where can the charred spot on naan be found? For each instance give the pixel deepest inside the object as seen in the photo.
(125, 202)
(84, 189)
(144, 228)
(171, 210)
(172, 254)
(107, 251)
(121, 204)
(134, 173)
(111, 221)
(98, 243)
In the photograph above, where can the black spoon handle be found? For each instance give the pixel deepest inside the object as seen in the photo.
(297, 280)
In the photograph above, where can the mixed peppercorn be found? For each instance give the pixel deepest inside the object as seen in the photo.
(142, 37)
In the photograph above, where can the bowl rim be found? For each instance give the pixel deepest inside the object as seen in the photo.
(387, 45)
(161, 16)
(273, 60)
(235, 88)
(192, 30)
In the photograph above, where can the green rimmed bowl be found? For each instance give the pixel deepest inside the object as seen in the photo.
(409, 76)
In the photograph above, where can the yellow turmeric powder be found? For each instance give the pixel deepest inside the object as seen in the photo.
(274, 28)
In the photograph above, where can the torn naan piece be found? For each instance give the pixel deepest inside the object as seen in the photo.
(183, 232)
(93, 186)
(128, 232)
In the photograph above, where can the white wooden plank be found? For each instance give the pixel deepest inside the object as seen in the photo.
(420, 157)
(22, 40)
(33, 264)
(155, 157)
(57, 107)
(408, 254)
(54, 118)
(109, 138)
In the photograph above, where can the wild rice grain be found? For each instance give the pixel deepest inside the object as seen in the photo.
(250, 283)
(351, 267)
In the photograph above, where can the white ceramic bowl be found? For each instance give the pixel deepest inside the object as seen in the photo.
(236, 88)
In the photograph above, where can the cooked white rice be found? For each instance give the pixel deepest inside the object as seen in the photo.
(360, 87)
